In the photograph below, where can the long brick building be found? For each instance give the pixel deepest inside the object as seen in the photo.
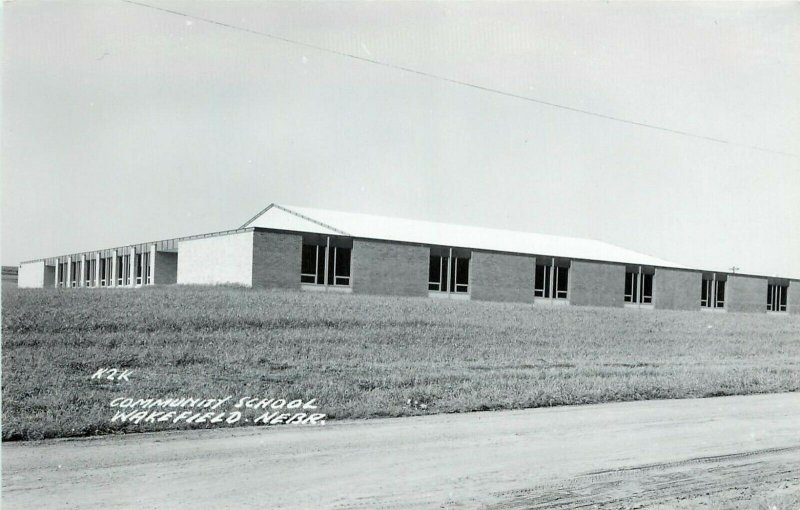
(330, 251)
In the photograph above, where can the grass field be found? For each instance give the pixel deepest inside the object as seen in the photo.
(363, 356)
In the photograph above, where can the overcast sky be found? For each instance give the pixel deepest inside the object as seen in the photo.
(124, 124)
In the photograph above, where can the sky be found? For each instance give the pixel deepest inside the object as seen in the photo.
(123, 124)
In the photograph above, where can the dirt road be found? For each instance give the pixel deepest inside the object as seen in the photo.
(658, 454)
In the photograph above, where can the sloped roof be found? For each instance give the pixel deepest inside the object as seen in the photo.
(307, 219)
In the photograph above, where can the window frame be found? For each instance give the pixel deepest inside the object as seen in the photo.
(328, 253)
(454, 271)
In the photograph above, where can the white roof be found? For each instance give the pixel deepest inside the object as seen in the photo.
(307, 219)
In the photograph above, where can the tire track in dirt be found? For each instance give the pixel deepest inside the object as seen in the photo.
(725, 477)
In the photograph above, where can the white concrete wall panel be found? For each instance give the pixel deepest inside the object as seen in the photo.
(220, 260)
(31, 275)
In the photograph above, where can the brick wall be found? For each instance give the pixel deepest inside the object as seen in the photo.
(596, 284)
(674, 289)
(165, 268)
(501, 277)
(746, 294)
(276, 260)
(793, 299)
(31, 275)
(226, 259)
(389, 268)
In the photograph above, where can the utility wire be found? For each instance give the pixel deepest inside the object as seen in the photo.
(460, 82)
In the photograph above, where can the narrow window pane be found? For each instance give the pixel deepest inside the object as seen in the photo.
(462, 275)
(538, 284)
(343, 262)
(308, 261)
(647, 288)
(628, 287)
(562, 282)
(434, 272)
(720, 294)
(320, 256)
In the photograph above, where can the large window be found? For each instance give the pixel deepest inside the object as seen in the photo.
(551, 279)
(776, 297)
(713, 292)
(123, 270)
(326, 261)
(639, 285)
(448, 270)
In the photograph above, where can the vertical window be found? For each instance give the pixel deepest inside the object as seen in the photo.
(148, 278)
(541, 282)
(712, 293)
(137, 262)
(319, 249)
(339, 265)
(459, 274)
(75, 270)
(639, 286)
(776, 297)
(309, 264)
(120, 267)
(435, 281)
(720, 294)
(631, 284)
(103, 271)
(551, 279)
(561, 285)
(448, 270)
(647, 288)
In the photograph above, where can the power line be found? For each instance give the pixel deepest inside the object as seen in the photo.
(460, 82)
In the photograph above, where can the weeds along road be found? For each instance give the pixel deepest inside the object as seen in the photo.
(649, 453)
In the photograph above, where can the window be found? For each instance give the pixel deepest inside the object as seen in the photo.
(541, 282)
(148, 277)
(89, 267)
(713, 292)
(776, 297)
(62, 274)
(448, 270)
(74, 270)
(313, 266)
(639, 286)
(553, 275)
(137, 269)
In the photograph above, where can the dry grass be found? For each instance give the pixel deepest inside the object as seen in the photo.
(363, 356)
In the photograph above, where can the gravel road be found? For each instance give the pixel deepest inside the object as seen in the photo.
(650, 454)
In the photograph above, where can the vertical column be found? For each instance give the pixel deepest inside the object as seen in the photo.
(714, 288)
(552, 279)
(68, 281)
(639, 286)
(113, 282)
(327, 255)
(82, 270)
(132, 267)
(152, 263)
(97, 269)
(58, 271)
(449, 270)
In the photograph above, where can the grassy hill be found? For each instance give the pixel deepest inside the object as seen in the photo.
(364, 356)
